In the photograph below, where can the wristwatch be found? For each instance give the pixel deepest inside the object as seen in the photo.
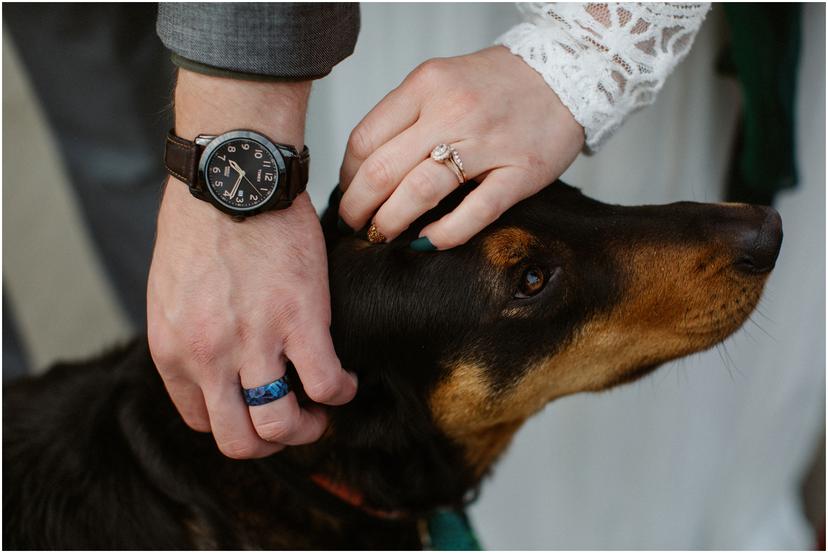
(241, 172)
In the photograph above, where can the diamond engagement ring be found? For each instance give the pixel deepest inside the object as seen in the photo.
(450, 157)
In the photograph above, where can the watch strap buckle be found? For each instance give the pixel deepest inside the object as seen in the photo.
(298, 175)
(181, 161)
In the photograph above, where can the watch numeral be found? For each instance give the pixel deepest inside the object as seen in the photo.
(216, 170)
(265, 164)
(231, 149)
(245, 146)
(263, 189)
(218, 184)
(254, 197)
(222, 158)
(258, 154)
(268, 176)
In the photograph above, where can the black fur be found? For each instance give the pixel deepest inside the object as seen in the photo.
(96, 457)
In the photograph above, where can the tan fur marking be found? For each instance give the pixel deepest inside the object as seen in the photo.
(465, 409)
(508, 246)
(671, 308)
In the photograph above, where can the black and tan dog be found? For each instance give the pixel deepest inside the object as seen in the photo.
(454, 351)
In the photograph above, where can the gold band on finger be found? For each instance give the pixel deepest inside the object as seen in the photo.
(456, 170)
(458, 163)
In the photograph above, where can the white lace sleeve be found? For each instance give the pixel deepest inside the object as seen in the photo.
(604, 61)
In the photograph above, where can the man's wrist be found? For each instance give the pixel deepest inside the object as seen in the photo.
(213, 105)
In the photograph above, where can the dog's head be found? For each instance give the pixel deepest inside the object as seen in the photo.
(562, 294)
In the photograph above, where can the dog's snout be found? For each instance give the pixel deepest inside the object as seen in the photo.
(758, 241)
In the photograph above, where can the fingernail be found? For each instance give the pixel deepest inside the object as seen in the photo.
(422, 244)
(343, 227)
(374, 235)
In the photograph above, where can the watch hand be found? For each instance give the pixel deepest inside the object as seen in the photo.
(235, 166)
(236, 186)
(252, 185)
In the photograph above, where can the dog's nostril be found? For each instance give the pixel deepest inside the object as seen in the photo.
(758, 245)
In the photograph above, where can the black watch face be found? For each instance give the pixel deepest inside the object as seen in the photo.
(241, 173)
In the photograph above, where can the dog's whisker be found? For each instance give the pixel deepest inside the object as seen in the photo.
(724, 361)
(759, 311)
(733, 363)
(768, 334)
(749, 335)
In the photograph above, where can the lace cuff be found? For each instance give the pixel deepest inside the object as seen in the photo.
(604, 61)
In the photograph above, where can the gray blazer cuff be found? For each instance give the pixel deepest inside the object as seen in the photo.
(290, 41)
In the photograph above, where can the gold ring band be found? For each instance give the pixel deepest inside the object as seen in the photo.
(450, 157)
(457, 168)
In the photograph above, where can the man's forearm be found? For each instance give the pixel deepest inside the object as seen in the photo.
(213, 105)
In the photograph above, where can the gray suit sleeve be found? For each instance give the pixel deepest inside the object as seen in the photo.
(267, 41)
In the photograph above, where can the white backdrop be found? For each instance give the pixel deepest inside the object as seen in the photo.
(708, 452)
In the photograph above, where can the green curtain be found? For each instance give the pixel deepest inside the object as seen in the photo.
(763, 55)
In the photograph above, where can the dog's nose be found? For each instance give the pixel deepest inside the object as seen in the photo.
(758, 244)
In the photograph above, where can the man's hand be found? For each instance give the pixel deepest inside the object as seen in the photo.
(228, 302)
(509, 127)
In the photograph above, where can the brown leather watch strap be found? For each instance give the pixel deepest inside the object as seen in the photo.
(181, 159)
(297, 177)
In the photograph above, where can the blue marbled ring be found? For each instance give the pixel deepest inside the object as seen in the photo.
(260, 395)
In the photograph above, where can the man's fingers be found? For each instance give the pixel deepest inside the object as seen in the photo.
(311, 350)
(391, 116)
(501, 189)
(230, 420)
(281, 420)
(380, 174)
(422, 189)
(189, 401)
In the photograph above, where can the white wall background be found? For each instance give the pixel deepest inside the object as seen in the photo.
(708, 452)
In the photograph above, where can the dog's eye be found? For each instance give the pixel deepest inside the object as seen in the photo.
(531, 282)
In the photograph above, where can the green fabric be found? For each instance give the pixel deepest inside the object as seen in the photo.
(451, 531)
(764, 55)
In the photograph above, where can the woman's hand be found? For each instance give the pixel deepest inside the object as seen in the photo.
(512, 132)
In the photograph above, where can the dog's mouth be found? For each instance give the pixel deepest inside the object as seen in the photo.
(733, 287)
(706, 292)
(722, 316)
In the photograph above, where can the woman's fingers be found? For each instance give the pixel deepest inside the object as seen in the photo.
(381, 173)
(501, 189)
(524, 138)
(423, 188)
(391, 116)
